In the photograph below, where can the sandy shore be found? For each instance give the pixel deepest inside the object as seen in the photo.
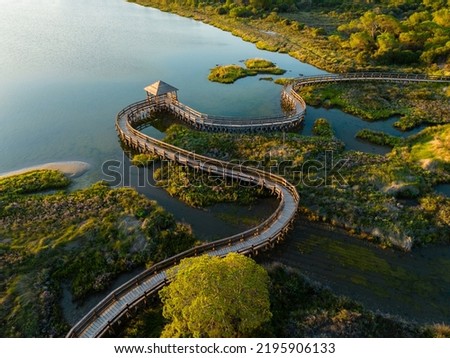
(72, 169)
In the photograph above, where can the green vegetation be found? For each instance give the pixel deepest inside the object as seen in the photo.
(261, 150)
(363, 264)
(322, 128)
(200, 190)
(432, 145)
(196, 188)
(261, 65)
(379, 138)
(415, 103)
(258, 63)
(304, 309)
(143, 160)
(338, 36)
(413, 37)
(301, 308)
(364, 193)
(230, 297)
(231, 73)
(34, 181)
(283, 81)
(80, 240)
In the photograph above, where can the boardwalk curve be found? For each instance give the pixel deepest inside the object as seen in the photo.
(122, 302)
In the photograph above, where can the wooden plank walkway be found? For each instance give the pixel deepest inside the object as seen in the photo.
(211, 123)
(367, 76)
(134, 293)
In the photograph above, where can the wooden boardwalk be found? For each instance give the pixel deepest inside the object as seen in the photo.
(206, 122)
(365, 77)
(122, 302)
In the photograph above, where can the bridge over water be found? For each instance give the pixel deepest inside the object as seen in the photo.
(125, 300)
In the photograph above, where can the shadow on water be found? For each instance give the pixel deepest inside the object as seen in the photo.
(413, 285)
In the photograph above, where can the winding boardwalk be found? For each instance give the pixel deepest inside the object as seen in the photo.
(294, 105)
(122, 302)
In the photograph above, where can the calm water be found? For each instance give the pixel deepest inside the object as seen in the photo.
(443, 189)
(346, 126)
(67, 67)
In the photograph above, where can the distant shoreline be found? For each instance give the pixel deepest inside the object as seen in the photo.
(72, 169)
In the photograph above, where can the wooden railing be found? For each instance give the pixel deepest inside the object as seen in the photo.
(208, 122)
(267, 233)
(366, 76)
(249, 240)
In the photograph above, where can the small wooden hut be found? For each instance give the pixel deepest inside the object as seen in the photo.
(161, 92)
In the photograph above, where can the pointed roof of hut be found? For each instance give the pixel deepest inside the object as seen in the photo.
(159, 88)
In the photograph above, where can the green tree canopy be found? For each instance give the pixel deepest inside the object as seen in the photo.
(216, 297)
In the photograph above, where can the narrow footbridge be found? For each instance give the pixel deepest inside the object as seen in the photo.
(121, 303)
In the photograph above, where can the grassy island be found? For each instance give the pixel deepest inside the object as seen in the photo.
(53, 241)
(254, 66)
(229, 73)
(261, 65)
(322, 128)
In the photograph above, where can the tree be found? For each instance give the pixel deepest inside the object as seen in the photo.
(442, 17)
(361, 41)
(215, 297)
(370, 23)
(387, 44)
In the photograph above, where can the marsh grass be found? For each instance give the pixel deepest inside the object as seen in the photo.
(367, 198)
(379, 138)
(416, 104)
(432, 144)
(229, 73)
(254, 66)
(302, 308)
(322, 128)
(84, 238)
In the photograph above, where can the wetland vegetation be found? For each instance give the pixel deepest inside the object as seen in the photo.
(363, 193)
(415, 104)
(303, 308)
(379, 138)
(254, 66)
(50, 237)
(338, 36)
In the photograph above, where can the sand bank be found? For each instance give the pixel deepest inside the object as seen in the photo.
(72, 169)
